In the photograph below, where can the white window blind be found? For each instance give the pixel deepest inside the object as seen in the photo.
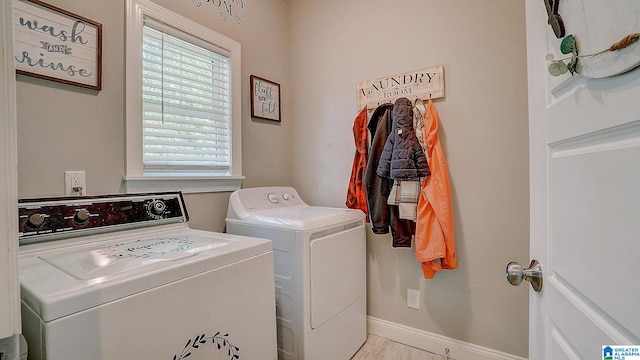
(186, 104)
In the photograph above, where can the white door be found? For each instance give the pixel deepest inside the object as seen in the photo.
(585, 196)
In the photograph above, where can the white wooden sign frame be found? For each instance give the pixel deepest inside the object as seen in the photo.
(57, 45)
(421, 84)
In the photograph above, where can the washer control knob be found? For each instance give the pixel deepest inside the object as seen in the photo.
(35, 220)
(157, 207)
(81, 216)
(272, 198)
(285, 197)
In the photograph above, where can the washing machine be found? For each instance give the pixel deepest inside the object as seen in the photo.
(320, 270)
(124, 277)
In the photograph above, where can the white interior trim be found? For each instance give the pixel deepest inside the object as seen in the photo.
(9, 281)
(188, 185)
(437, 344)
(136, 11)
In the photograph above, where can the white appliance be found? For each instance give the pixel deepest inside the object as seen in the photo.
(320, 270)
(124, 277)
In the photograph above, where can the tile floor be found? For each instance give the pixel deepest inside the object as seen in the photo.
(378, 348)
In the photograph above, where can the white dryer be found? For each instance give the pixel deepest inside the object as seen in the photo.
(124, 277)
(320, 270)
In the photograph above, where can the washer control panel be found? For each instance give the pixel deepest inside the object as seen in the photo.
(41, 219)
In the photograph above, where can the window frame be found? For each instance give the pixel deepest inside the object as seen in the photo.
(135, 181)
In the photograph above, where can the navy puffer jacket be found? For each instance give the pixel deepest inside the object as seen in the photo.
(403, 157)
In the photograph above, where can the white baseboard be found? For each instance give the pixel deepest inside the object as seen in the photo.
(437, 344)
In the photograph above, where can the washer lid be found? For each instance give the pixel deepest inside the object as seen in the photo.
(112, 259)
(62, 281)
(300, 217)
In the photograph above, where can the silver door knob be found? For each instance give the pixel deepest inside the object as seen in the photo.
(533, 274)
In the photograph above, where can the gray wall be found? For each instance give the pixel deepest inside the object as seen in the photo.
(484, 129)
(318, 51)
(63, 127)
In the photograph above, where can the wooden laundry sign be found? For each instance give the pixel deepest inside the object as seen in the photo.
(419, 84)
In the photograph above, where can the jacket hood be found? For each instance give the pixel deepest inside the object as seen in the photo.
(403, 114)
(375, 117)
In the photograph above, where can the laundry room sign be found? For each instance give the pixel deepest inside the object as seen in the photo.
(54, 44)
(419, 84)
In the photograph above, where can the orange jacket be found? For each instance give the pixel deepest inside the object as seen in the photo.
(356, 192)
(435, 240)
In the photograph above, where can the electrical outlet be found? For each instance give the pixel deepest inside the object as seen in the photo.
(413, 298)
(75, 183)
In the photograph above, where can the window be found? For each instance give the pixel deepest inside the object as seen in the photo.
(183, 104)
(186, 110)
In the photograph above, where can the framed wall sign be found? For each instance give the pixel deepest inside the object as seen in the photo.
(265, 99)
(421, 84)
(56, 45)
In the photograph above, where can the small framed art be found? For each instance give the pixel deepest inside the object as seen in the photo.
(265, 99)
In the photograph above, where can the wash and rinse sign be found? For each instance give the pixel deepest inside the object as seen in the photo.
(54, 44)
(419, 84)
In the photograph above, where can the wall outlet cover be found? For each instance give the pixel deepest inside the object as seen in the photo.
(75, 183)
(413, 298)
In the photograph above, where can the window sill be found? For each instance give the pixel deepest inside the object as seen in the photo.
(188, 185)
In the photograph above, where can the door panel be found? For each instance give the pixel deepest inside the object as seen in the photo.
(585, 200)
(560, 347)
(574, 322)
(589, 223)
